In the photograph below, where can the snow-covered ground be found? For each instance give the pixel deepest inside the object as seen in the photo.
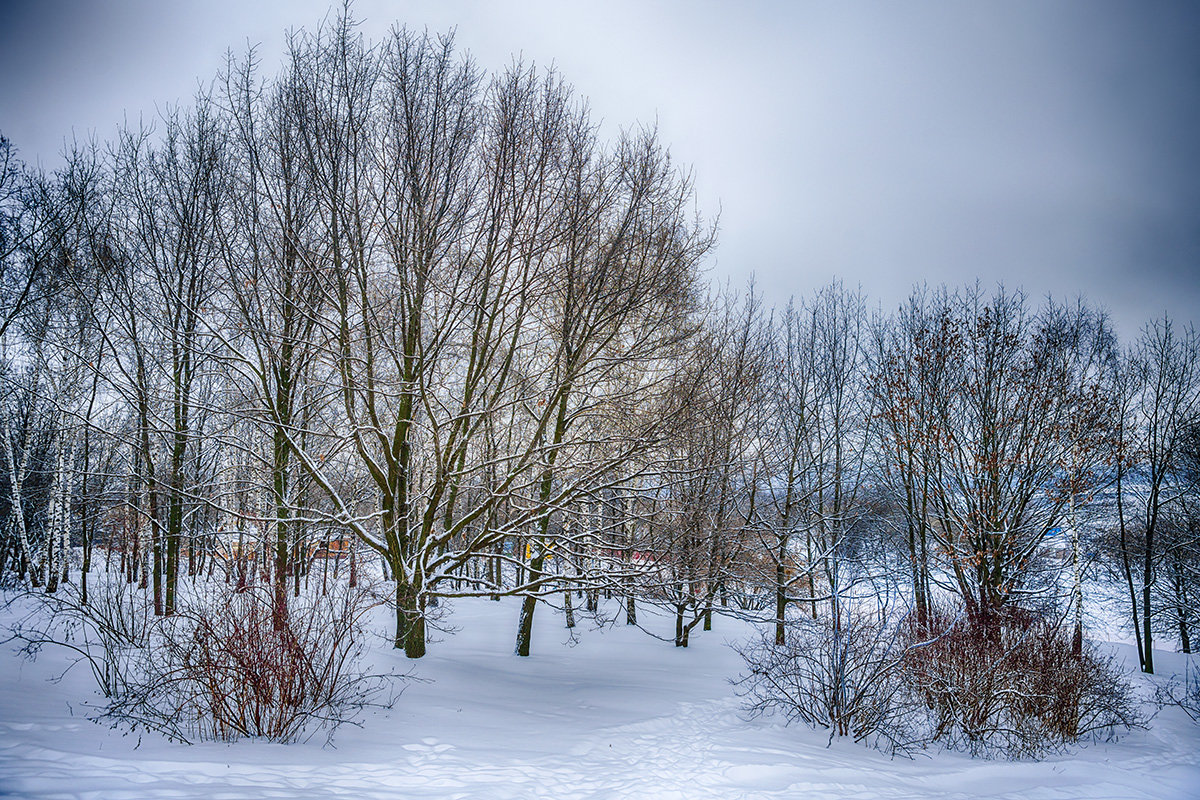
(616, 715)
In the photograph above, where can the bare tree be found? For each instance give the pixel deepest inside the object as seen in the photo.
(912, 365)
(1163, 400)
(271, 332)
(700, 516)
(619, 300)
(1086, 346)
(1000, 440)
(35, 216)
(159, 261)
(1181, 547)
(484, 269)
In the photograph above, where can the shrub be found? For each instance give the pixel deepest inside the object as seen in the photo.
(219, 670)
(844, 680)
(109, 632)
(1183, 692)
(1011, 685)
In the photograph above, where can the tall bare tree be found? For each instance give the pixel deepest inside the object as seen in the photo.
(161, 259)
(1162, 394)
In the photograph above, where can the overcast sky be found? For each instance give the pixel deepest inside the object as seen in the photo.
(1051, 146)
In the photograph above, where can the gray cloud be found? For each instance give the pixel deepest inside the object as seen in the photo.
(1045, 145)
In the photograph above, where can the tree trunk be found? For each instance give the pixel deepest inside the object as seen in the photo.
(1147, 590)
(780, 602)
(410, 617)
(528, 604)
(569, 608)
(681, 631)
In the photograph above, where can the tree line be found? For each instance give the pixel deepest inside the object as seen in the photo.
(387, 308)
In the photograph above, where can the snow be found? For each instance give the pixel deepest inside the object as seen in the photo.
(615, 714)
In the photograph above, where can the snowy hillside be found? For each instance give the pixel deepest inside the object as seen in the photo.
(616, 715)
